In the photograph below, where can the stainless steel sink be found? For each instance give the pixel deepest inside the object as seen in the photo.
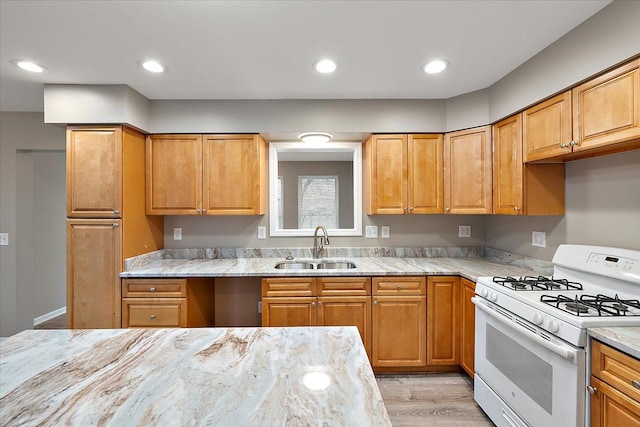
(311, 265)
(335, 265)
(294, 266)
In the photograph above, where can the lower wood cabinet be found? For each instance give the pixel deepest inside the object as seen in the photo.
(615, 387)
(443, 324)
(467, 325)
(399, 322)
(163, 303)
(325, 301)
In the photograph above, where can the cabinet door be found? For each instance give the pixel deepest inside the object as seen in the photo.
(94, 172)
(234, 175)
(547, 128)
(611, 408)
(606, 110)
(174, 174)
(154, 312)
(296, 311)
(94, 263)
(399, 331)
(425, 174)
(507, 166)
(467, 171)
(467, 326)
(386, 178)
(347, 311)
(443, 302)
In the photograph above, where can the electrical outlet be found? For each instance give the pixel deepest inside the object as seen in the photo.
(371, 232)
(177, 234)
(4, 239)
(464, 231)
(384, 231)
(262, 233)
(539, 239)
(259, 307)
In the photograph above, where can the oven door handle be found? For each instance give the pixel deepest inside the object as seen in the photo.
(557, 349)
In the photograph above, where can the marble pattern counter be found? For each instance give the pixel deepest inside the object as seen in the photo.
(179, 377)
(471, 268)
(625, 339)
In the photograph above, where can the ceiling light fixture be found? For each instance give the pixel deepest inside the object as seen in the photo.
(436, 66)
(325, 66)
(28, 65)
(152, 66)
(315, 137)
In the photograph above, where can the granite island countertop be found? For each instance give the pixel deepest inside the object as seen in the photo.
(626, 339)
(176, 377)
(470, 268)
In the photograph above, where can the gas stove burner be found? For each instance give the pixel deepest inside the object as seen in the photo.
(619, 306)
(576, 307)
(593, 306)
(536, 283)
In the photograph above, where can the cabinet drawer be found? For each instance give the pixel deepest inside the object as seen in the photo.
(399, 285)
(327, 286)
(154, 312)
(288, 287)
(154, 288)
(616, 368)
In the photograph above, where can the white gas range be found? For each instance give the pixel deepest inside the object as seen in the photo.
(531, 334)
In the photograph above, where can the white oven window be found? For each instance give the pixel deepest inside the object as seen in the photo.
(529, 372)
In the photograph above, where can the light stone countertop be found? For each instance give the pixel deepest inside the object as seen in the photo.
(175, 377)
(625, 339)
(470, 268)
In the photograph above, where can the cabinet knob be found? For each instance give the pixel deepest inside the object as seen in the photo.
(152, 289)
(405, 210)
(563, 145)
(116, 212)
(197, 210)
(114, 225)
(399, 287)
(319, 302)
(592, 390)
(515, 208)
(446, 209)
(375, 302)
(313, 304)
(152, 316)
(411, 208)
(573, 143)
(635, 384)
(204, 211)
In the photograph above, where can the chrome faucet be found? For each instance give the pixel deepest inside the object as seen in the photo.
(317, 248)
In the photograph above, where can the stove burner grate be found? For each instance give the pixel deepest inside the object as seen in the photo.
(593, 306)
(536, 283)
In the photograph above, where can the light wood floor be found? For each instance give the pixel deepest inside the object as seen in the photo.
(434, 400)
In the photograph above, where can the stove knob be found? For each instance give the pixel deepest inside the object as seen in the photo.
(537, 318)
(493, 296)
(484, 292)
(553, 326)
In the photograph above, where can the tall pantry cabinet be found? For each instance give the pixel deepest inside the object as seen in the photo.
(106, 221)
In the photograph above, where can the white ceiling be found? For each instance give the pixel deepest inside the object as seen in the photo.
(265, 49)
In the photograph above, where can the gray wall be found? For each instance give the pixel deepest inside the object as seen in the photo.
(19, 186)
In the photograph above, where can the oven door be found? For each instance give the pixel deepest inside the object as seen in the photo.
(541, 379)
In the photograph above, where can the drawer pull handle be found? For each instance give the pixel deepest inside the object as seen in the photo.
(635, 384)
(375, 302)
(152, 289)
(592, 390)
(152, 316)
(116, 212)
(399, 287)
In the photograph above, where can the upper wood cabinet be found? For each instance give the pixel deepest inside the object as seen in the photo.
(467, 171)
(94, 172)
(599, 116)
(205, 175)
(523, 189)
(404, 174)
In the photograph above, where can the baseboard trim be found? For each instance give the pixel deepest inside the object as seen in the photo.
(49, 316)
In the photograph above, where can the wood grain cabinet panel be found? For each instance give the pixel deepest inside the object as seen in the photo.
(94, 172)
(404, 174)
(443, 320)
(399, 285)
(467, 171)
(205, 175)
(343, 286)
(520, 188)
(347, 311)
(289, 287)
(547, 128)
(293, 311)
(154, 312)
(467, 326)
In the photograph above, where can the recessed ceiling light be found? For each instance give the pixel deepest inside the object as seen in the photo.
(325, 66)
(152, 66)
(315, 137)
(436, 66)
(28, 65)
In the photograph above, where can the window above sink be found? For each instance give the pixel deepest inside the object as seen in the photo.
(298, 175)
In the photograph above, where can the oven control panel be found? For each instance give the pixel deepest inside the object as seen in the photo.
(613, 262)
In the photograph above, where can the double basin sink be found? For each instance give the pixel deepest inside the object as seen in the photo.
(315, 265)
